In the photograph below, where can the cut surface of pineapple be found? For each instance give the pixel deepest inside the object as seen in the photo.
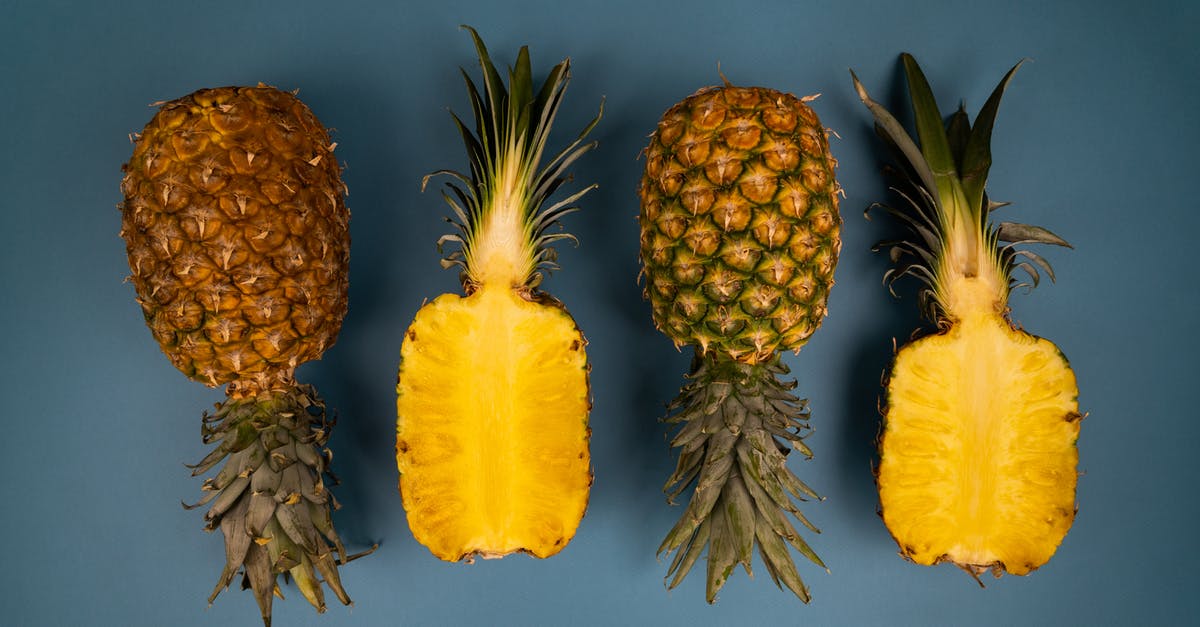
(978, 453)
(492, 436)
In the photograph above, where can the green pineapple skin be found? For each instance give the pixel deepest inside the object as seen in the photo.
(740, 229)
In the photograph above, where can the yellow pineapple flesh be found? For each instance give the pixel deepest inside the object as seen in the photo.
(492, 394)
(977, 463)
(494, 459)
(978, 451)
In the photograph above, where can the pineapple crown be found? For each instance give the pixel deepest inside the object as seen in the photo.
(503, 198)
(946, 206)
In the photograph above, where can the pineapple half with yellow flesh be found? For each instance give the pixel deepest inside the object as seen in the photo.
(977, 455)
(492, 396)
(740, 234)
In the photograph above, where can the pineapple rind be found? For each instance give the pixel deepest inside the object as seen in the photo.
(492, 431)
(978, 452)
(740, 230)
(237, 235)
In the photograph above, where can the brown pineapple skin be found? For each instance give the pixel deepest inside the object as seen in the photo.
(740, 230)
(237, 235)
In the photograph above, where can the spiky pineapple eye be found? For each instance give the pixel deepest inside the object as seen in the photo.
(693, 151)
(731, 211)
(702, 238)
(776, 268)
(781, 156)
(688, 269)
(705, 117)
(696, 196)
(724, 167)
(741, 254)
(741, 135)
(780, 118)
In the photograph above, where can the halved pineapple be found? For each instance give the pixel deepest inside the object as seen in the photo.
(492, 397)
(978, 456)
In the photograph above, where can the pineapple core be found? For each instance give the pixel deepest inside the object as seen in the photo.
(978, 458)
(492, 437)
(503, 253)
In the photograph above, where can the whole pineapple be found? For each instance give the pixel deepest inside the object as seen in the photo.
(492, 394)
(237, 235)
(977, 455)
(740, 233)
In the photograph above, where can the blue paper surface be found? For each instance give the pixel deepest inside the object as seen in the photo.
(1096, 140)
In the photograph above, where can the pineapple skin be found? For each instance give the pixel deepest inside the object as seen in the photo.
(238, 235)
(740, 230)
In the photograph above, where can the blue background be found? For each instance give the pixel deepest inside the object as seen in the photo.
(1096, 140)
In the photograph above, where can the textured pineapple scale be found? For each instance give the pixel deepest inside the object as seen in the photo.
(492, 432)
(978, 455)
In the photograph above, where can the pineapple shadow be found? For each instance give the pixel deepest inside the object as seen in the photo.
(658, 384)
(870, 357)
(356, 464)
(642, 371)
(894, 319)
(354, 375)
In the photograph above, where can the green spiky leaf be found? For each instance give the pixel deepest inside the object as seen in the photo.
(505, 150)
(274, 518)
(935, 146)
(891, 128)
(977, 159)
(932, 134)
(946, 205)
(734, 417)
(958, 133)
(1027, 233)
